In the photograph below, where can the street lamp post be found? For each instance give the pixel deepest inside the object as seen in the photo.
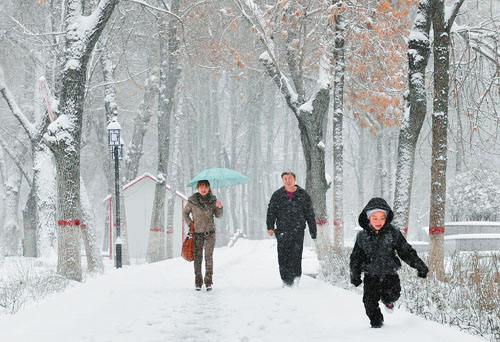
(116, 145)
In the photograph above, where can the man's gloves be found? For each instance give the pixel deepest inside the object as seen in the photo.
(356, 281)
(422, 273)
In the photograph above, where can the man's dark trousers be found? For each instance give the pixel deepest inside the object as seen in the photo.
(290, 246)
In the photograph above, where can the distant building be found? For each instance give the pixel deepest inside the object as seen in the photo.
(138, 202)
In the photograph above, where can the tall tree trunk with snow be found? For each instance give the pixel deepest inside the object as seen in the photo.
(255, 156)
(3, 178)
(64, 134)
(231, 159)
(134, 149)
(338, 141)
(12, 233)
(92, 250)
(382, 161)
(385, 181)
(441, 48)
(416, 108)
(286, 139)
(310, 112)
(360, 161)
(39, 213)
(314, 153)
(169, 75)
(174, 174)
(391, 150)
(45, 198)
(379, 165)
(270, 140)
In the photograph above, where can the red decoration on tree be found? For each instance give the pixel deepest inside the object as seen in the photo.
(68, 223)
(436, 230)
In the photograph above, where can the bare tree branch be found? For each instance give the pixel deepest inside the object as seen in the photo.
(455, 7)
(16, 111)
(17, 159)
(268, 58)
(142, 3)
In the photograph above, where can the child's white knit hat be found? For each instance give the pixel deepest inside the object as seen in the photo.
(372, 211)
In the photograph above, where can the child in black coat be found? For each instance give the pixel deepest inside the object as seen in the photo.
(374, 253)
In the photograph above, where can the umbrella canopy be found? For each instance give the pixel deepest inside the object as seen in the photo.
(219, 178)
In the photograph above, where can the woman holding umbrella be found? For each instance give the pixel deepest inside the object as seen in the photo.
(200, 211)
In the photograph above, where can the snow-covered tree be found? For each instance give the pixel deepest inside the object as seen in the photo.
(339, 66)
(40, 212)
(414, 114)
(473, 196)
(284, 29)
(442, 21)
(64, 134)
(170, 71)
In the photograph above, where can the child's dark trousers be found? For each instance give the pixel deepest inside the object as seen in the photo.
(386, 288)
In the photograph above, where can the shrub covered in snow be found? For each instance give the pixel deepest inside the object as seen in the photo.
(474, 195)
(468, 299)
(26, 280)
(334, 268)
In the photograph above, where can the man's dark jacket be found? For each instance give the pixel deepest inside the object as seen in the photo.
(291, 216)
(375, 253)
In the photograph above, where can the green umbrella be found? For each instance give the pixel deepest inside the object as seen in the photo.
(219, 178)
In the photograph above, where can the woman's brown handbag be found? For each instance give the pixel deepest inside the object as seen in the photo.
(188, 245)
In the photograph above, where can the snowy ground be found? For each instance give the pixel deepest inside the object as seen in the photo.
(157, 302)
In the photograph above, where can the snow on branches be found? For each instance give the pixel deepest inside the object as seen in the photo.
(473, 196)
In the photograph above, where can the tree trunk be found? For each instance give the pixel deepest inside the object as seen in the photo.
(12, 233)
(174, 178)
(29, 226)
(379, 166)
(68, 208)
(310, 125)
(141, 121)
(338, 140)
(255, 172)
(439, 139)
(391, 149)
(92, 251)
(231, 160)
(64, 134)
(287, 164)
(361, 162)
(45, 198)
(385, 181)
(270, 141)
(416, 108)
(169, 75)
(105, 152)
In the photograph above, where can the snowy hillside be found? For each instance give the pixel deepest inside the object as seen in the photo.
(157, 302)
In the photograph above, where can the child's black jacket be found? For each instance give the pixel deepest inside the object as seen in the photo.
(375, 254)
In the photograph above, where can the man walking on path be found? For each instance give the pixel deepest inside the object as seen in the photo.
(290, 208)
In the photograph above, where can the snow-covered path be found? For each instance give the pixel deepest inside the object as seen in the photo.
(157, 302)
